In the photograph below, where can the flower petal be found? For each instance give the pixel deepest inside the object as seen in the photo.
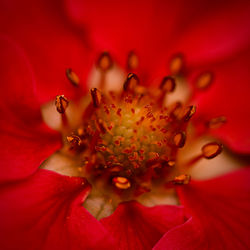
(157, 29)
(228, 97)
(25, 140)
(138, 227)
(147, 27)
(220, 214)
(218, 32)
(50, 42)
(45, 212)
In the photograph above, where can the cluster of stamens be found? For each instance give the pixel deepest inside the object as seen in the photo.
(130, 137)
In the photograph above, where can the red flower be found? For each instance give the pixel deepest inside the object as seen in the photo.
(41, 209)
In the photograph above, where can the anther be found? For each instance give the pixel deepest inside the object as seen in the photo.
(61, 103)
(211, 150)
(168, 84)
(182, 179)
(216, 122)
(74, 140)
(188, 112)
(121, 182)
(133, 61)
(131, 82)
(177, 64)
(180, 139)
(96, 97)
(204, 80)
(73, 78)
(105, 61)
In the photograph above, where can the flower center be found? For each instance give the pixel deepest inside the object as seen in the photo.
(128, 140)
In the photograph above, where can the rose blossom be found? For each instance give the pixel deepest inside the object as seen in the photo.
(103, 206)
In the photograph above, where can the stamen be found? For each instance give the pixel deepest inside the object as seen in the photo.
(188, 113)
(182, 179)
(73, 78)
(177, 64)
(61, 103)
(168, 84)
(180, 139)
(121, 182)
(133, 61)
(131, 82)
(211, 150)
(105, 61)
(74, 140)
(96, 97)
(216, 122)
(204, 80)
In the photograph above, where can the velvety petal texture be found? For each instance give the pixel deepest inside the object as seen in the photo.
(51, 44)
(45, 212)
(220, 214)
(137, 227)
(158, 29)
(25, 140)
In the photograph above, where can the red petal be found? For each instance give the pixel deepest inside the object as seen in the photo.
(138, 227)
(228, 96)
(220, 207)
(187, 236)
(46, 212)
(219, 31)
(52, 45)
(157, 29)
(25, 140)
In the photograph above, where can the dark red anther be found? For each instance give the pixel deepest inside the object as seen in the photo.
(204, 80)
(211, 150)
(121, 182)
(131, 82)
(96, 97)
(133, 61)
(180, 139)
(168, 84)
(61, 103)
(216, 122)
(177, 64)
(182, 179)
(73, 78)
(105, 61)
(188, 113)
(74, 140)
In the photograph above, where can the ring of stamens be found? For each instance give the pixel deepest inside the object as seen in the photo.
(130, 138)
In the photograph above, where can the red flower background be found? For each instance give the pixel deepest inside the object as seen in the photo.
(41, 209)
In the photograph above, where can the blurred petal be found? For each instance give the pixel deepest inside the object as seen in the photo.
(25, 140)
(228, 97)
(45, 212)
(157, 29)
(52, 45)
(138, 227)
(220, 32)
(220, 214)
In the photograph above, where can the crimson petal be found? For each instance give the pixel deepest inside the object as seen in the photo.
(138, 227)
(157, 29)
(52, 45)
(25, 140)
(220, 214)
(228, 97)
(45, 212)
